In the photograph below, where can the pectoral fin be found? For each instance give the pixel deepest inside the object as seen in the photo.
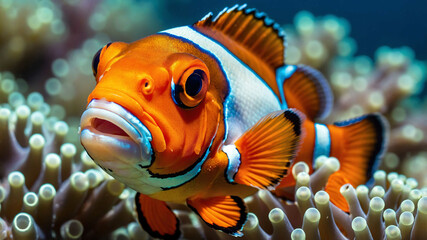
(157, 218)
(268, 149)
(225, 213)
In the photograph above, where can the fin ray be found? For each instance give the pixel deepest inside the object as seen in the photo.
(268, 148)
(225, 213)
(306, 90)
(251, 36)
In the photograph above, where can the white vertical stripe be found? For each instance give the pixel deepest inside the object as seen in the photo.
(233, 156)
(250, 97)
(322, 144)
(282, 74)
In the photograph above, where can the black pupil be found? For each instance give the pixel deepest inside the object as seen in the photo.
(194, 82)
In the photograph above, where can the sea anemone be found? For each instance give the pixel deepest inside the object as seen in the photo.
(392, 208)
(48, 190)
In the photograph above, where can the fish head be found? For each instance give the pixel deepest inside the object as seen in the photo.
(153, 107)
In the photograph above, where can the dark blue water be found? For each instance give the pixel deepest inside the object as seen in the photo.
(374, 23)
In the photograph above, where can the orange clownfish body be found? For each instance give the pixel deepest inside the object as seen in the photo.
(207, 114)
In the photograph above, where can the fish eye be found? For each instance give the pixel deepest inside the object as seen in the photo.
(191, 88)
(96, 58)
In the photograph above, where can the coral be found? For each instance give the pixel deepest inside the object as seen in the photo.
(73, 77)
(47, 190)
(393, 208)
(27, 28)
(317, 41)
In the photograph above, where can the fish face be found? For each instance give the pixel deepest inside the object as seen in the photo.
(153, 111)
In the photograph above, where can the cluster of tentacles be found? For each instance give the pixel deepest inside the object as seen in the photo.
(47, 189)
(393, 208)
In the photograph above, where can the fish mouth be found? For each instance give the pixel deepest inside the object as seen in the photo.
(108, 128)
(109, 133)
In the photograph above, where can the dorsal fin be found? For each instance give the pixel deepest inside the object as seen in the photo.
(249, 34)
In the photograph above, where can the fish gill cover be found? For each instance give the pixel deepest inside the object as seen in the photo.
(50, 188)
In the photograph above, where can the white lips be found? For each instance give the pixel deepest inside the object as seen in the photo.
(117, 115)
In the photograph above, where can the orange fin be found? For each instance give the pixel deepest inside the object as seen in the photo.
(225, 213)
(157, 218)
(251, 36)
(359, 145)
(268, 149)
(251, 29)
(335, 182)
(306, 89)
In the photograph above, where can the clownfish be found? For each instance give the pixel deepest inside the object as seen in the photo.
(207, 114)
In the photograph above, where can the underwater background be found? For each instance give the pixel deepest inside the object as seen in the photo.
(374, 54)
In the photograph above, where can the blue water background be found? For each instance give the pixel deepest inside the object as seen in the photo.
(374, 23)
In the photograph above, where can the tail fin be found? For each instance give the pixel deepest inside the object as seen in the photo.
(359, 145)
